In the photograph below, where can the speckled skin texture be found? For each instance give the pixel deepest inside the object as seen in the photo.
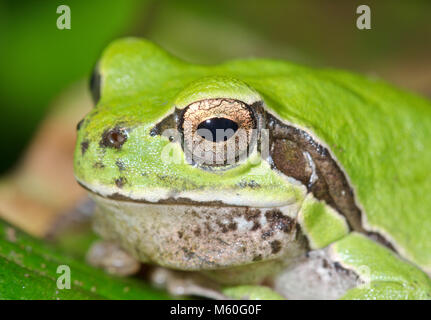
(203, 238)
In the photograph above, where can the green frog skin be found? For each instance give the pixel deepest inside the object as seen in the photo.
(325, 194)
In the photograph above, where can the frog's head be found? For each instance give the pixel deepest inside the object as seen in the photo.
(173, 193)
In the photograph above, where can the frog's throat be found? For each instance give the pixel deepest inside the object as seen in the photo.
(196, 238)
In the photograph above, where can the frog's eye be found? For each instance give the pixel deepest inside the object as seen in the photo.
(95, 85)
(217, 131)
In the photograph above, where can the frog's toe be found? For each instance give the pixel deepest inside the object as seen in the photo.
(112, 258)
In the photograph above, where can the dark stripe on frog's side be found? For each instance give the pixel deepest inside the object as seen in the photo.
(287, 144)
(287, 147)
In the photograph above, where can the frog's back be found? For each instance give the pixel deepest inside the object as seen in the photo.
(379, 135)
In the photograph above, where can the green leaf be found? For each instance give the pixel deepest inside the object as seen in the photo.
(28, 270)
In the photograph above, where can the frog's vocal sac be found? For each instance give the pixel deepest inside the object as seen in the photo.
(256, 178)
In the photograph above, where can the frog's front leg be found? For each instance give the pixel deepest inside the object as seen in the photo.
(112, 258)
(109, 256)
(384, 274)
(316, 276)
(354, 267)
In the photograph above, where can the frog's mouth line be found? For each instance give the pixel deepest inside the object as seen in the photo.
(115, 196)
(174, 201)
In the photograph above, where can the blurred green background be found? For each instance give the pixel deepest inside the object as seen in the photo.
(38, 61)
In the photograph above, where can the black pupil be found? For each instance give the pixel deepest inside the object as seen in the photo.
(217, 129)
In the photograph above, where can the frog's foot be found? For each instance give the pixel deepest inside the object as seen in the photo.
(316, 276)
(181, 283)
(112, 258)
(76, 217)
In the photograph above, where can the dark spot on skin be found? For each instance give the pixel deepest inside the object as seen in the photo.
(275, 246)
(266, 235)
(279, 221)
(162, 177)
(232, 226)
(154, 132)
(113, 138)
(120, 182)
(197, 232)
(338, 266)
(79, 125)
(180, 234)
(257, 258)
(256, 226)
(188, 254)
(222, 226)
(98, 165)
(251, 184)
(120, 165)
(84, 146)
(195, 214)
(252, 214)
(243, 249)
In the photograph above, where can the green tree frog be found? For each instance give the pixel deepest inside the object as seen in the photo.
(257, 178)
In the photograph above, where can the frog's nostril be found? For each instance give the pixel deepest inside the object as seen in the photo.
(114, 138)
